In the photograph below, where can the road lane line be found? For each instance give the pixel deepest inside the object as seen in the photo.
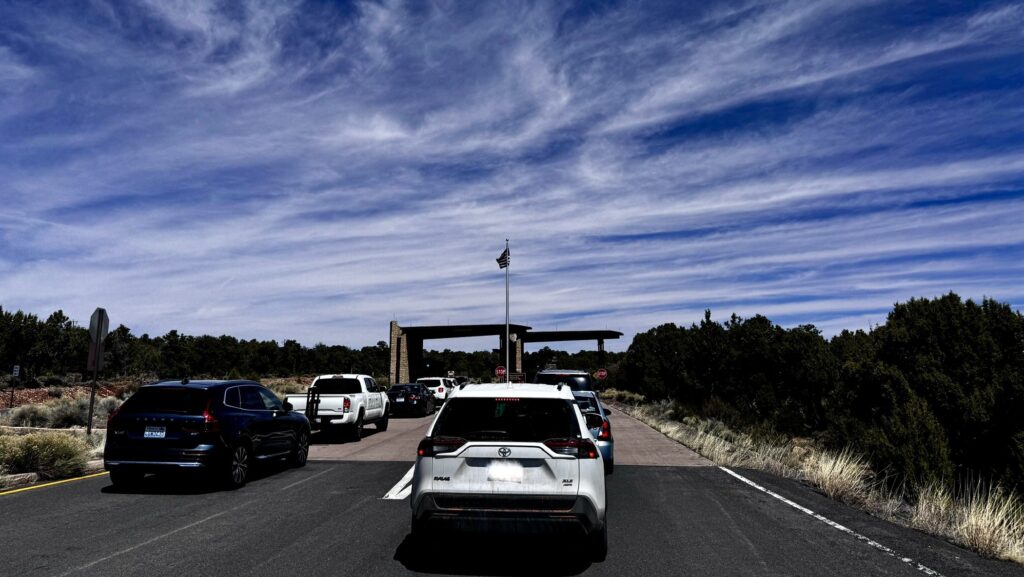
(834, 525)
(309, 478)
(52, 483)
(399, 492)
(154, 539)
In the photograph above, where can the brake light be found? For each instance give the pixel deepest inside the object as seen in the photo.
(209, 419)
(440, 389)
(579, 448)
(346, 405)
(413, 397)
(606, 431)
(430, 447)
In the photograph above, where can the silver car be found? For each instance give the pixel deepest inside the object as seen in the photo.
(590, 404)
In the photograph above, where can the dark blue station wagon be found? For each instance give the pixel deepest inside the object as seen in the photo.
(216, 427)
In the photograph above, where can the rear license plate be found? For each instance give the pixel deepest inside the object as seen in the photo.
(505, 472)
(155, 432)
(400, 400)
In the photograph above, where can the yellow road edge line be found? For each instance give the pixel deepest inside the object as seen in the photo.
(52, 483)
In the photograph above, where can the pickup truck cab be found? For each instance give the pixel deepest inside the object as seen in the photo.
(348, 401)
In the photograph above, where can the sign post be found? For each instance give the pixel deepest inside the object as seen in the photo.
(98, 326)
(14, 375)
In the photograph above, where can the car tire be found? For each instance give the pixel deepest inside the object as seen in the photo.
(355, 431)
(382, 424)
(125, 479)
(236, 466)
(597, 544)
(300, 454)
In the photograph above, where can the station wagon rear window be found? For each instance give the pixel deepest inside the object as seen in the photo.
(177, 400)
(339, 386)
(507, 419)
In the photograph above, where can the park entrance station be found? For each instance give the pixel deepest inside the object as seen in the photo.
(407, 343)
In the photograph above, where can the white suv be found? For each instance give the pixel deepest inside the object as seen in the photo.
(509, 456)
(440, 386)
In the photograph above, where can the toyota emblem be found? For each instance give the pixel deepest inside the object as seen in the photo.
(504, 452)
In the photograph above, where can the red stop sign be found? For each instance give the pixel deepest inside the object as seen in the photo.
(601, 374)
(499, 372)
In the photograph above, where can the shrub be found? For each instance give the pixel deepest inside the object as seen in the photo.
(51, 455)
(55, 391)
(71, 412)
(842, 476)
(992, 523)
(30, 416)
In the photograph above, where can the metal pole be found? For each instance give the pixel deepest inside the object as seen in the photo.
(508, 344)
(92, 401)
(14, 381)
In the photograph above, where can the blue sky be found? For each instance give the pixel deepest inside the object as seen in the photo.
(312, 170)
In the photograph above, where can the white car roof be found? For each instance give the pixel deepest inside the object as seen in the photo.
(343, 376)
(521, 390)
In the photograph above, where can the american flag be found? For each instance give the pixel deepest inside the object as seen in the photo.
(503, 259)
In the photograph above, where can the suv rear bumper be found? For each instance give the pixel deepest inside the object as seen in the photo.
(513, 513)
(154, 460)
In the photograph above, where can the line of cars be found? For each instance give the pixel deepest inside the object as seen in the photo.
(497, 456)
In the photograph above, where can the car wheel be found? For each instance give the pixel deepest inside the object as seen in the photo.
(597, 543)
(237, 469)
(355, 432)
(382, 424)
(300, 454)
(125, 479)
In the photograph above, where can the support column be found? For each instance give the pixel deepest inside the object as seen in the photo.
(519, 355)
(395, 342)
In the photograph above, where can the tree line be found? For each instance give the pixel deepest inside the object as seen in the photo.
(47, 350)
(936, 393)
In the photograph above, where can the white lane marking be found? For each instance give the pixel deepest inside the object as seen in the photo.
(402, 488)
(154, 539)
(309, 478)
(834, 525)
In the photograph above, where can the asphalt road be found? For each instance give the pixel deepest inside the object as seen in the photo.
(329, 518)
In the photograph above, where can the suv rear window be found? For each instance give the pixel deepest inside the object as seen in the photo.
(338, 386)
(430, 382)
(507, 419)
(576, 382)
(177, 400)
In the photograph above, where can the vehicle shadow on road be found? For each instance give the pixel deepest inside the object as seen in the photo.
(191, 483)
(477, 554)
(338, 436)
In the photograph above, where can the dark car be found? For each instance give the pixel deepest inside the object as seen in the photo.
(411, 398)
(576, 380)
(216, 427)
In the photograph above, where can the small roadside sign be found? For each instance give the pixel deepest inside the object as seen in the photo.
(98, 327)
(601, 374)
(16, 371)
(499, 372)
(451, 374)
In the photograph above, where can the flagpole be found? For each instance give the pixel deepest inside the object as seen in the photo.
(508, 343)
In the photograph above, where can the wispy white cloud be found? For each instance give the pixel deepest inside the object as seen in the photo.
(282, 170)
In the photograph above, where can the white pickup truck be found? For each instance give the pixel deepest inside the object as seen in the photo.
(348, 401)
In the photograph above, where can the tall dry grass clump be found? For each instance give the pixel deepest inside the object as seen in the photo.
(844, 476)
(991, 521)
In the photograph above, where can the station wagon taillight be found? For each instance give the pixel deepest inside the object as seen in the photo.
(430, 447)
(579, 448)
(606, 431)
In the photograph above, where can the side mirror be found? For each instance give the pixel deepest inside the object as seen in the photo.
(594, 421)
(287, 407)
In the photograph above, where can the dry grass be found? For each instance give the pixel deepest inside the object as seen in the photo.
(61, 413)
(52, 455)
(984, 519)
(282, 387)
(844, 476)
(990, 521)
(628, 397)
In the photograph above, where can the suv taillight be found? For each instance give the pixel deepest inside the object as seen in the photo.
(210, 422)
(110, 417)
(346, 405)
(606, 431)
(430, 447)
(440, 389)
(579, 448)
